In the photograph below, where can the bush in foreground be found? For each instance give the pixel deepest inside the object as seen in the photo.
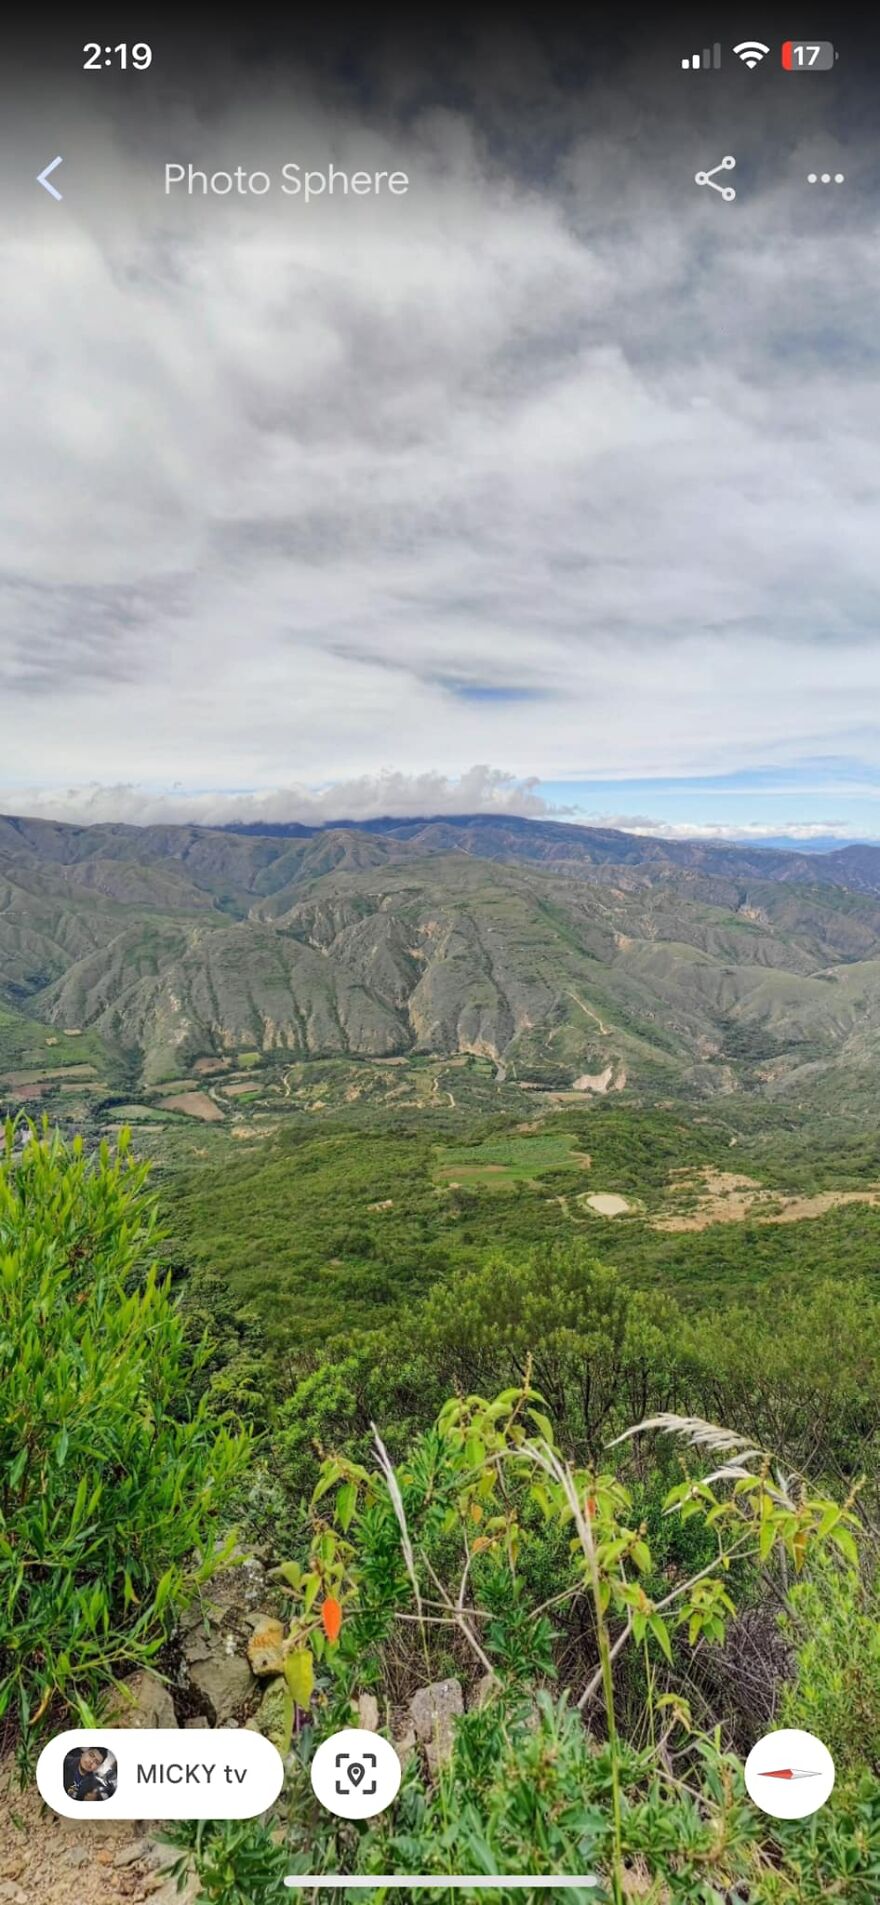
(110, 1480)
(437, 1557)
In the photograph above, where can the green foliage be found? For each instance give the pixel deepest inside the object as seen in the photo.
(29, 1043)
(110, 1477)
(600, 1351)
(809, 1385)
(321, 1410)
(527, 1791)
(834, 1619)
(440, 1543)
(332, 1232)
(605, 1353)
(304, 1229)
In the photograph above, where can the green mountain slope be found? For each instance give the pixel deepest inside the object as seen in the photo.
(178, 943)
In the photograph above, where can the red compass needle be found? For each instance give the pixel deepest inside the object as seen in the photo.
(791, 1772)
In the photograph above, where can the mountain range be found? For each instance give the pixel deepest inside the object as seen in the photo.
(569, 955)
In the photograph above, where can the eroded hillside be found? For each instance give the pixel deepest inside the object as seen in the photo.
(178, 944)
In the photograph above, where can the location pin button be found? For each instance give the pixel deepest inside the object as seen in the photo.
(355, 1773)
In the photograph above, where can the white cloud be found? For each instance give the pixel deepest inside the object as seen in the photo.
(756, 830)
(558, 464)
(480, 790)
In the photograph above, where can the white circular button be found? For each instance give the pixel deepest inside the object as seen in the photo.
(355, 1774)
(789, 1774)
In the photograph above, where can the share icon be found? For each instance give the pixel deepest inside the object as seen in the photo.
(708, 178)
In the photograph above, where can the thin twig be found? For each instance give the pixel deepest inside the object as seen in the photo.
(461, 1623)
(593, 1685)
(387, 1468)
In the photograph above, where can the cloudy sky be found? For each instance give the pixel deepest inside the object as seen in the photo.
(551, 485)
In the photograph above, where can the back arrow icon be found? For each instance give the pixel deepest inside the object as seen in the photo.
(43, 177)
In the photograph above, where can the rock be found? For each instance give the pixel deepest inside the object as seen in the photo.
(405, 1746)
(265, 1649)
(197, 1719)
(435, 1707)
(368, 1712)
(274, 1715)
(195, 1640)
(168, 1893)
(130, 1854)
(161, 1855)
(225, 1681)
(482, 1691)
(142, 1701)
(240, 1586)
(434, 1711)
(78, 1855)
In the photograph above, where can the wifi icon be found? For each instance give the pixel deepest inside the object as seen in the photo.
(751, 52)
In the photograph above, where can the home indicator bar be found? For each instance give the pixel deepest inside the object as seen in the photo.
(430, 1882)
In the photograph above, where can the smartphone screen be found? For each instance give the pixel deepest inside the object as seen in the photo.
(440, 960)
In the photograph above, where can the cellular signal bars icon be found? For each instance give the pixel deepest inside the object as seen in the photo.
(697, 62)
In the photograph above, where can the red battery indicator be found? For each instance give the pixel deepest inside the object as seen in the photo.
(808, 56)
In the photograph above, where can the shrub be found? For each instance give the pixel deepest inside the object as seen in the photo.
(835, 1615)
(446, 1555)
(111, 1476)
(528, 1786)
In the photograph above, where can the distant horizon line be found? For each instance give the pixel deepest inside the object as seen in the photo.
(775, 843)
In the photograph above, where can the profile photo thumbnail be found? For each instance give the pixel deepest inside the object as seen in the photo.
(89, 1773)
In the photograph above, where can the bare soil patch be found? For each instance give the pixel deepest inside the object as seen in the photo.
(594, 1081)
(605, 1203)
(727, 1197)
(51, 1861)
(43, 1074)
(196, 1104)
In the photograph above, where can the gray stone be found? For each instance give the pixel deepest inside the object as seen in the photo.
(130, 1854)
(78, 1856)
(197, 1719)
(434, 1711)
(368, 1712)
(225, 1681)
(168, 1893)
(240, 1586)
(161, 1855)
(483, 1690)
(405, 1747)
(274, 1715)
(436, 1706)
(196, 1643)
(142, 1701)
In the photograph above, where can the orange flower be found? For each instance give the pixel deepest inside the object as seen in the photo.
(331, 1617)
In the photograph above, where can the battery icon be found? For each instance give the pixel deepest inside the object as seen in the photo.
(808, 56)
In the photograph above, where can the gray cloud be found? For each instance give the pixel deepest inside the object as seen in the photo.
(556, 461)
